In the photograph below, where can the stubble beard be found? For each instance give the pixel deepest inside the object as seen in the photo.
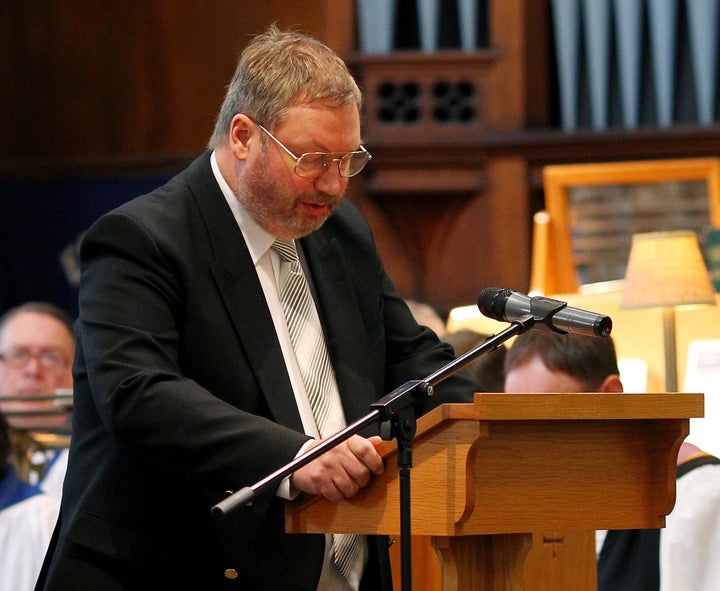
(276, 209)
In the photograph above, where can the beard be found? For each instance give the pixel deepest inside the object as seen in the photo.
(276, 209)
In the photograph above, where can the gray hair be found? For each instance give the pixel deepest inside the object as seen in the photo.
(280, 69)
(45, 308)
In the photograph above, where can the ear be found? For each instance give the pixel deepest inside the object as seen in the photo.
(242, 129)
(611, 384)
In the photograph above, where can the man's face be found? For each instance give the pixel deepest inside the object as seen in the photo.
(283, 203)
(534, 376)
(38, 352)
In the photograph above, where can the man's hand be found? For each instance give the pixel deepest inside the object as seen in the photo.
(342, 471)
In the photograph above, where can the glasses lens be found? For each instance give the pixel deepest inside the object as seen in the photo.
(19, 358)
(16, 358)
(52, 360)
(313, 164)
(353, 162)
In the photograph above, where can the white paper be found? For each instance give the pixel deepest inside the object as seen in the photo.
(703, 375)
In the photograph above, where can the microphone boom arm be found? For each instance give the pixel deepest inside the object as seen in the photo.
(385, 409)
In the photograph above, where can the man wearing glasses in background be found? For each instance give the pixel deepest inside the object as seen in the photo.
(230, 320)
(36, 352)
(37, 347)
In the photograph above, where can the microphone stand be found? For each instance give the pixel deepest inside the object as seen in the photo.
(395, 413)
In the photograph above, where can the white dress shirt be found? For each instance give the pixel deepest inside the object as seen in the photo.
(267, 265)
(690, 542)
(25, 531)
(52, 482)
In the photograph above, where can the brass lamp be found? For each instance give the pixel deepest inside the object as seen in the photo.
(666, 270)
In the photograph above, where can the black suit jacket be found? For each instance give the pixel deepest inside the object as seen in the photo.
(181, 394)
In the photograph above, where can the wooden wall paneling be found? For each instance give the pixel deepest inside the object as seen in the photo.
(114, 86)
(111, 81)
(537, 67)
(510, 219)
(508, 81)
(446, 233)
(436, 101)
(488, 244)
(414, 214)
(457, 214)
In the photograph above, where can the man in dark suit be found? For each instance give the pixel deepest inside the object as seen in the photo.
(186, 379)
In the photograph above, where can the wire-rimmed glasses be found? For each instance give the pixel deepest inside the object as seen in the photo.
(311, 165)
(49, 359)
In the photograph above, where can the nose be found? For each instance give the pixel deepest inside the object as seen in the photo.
(331, 182)
(33, 365)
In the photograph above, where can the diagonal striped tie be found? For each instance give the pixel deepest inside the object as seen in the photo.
(305, 332)
(317, 373)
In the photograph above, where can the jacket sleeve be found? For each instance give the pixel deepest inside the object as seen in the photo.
(134, 330)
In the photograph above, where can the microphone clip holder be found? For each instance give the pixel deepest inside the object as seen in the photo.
(543, 309)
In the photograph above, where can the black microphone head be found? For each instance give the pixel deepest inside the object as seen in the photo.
(603, 327)
(492, 300)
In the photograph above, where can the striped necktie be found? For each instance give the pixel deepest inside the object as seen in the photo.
(311, 353)
(305, 332)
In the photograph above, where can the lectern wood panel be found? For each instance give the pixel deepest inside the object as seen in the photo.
(486, 474)
(527, 462)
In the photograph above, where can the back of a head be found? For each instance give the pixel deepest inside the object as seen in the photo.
(487, 369)
(281, 69)
(588, 359)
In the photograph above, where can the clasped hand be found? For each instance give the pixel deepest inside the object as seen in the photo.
(342, 471)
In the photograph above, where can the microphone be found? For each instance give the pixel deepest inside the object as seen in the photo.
(506, 305)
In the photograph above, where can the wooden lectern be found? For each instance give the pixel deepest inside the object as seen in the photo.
(487, 474)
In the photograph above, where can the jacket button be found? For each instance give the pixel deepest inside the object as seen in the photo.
(231, 573)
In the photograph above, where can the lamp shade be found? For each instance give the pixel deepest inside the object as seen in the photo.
(666, 269)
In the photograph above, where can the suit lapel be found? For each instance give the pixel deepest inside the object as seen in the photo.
(342, 324)
(237, 282)
(234, 274)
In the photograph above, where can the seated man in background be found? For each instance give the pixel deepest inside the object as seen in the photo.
(37, 348)
(629, 560)
(27, 518)
(543, 361)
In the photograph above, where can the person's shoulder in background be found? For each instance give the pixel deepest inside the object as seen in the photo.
(488, 369)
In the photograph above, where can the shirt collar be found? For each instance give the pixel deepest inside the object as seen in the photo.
(258, 240)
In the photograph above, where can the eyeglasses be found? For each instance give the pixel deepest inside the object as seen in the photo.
(49, 359)
(311, 165)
